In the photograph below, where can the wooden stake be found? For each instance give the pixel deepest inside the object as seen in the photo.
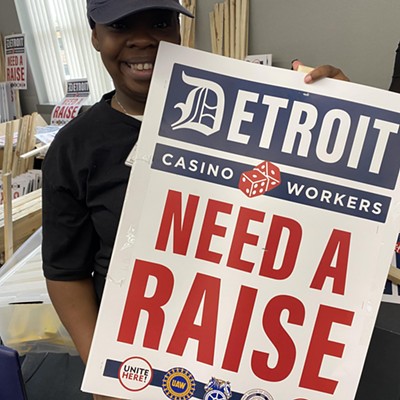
(8, 222)
(26, 218)
(394, 275)
(246, 50)
(220, 30)
(2, 60)
(192, 37)
(213, 33)
(232, 16)
(226, 29)
(17, 168)
(8, 148)
(237, 29)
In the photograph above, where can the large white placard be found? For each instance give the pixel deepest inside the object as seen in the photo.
(256, 236)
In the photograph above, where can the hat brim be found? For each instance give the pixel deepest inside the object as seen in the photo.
(107, 13)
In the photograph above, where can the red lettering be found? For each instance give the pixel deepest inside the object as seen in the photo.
(239, 329)
(15, 74)
(279, 337)
(68, 112)
(339, 244)
(56, 111)
(136, 301)
(75, 111)
(63, 111)
(12, 61)
(210, 229)
(181, 229)
(207, 288)
(320, 345)
(278, 224)
(242, 237)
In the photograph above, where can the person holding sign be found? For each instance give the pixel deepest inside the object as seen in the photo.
(85, 173)
(395, 83)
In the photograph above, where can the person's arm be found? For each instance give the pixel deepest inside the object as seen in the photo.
(395, 84)
(76, 305)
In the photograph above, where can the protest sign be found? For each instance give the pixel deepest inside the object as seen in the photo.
(15, 58)
(256, 236)
(68, 108)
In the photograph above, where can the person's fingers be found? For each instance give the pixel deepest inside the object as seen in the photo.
(295, 64)
(325, 71)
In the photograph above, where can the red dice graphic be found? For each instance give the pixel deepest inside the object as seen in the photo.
(271, 171)
(264, 177)
(253, 183)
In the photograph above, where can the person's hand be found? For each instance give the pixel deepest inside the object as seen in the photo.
(323, 71)
(101, 397)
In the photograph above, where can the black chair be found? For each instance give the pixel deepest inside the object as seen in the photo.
(11, 382)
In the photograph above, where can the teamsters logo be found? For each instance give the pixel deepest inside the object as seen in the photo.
(178, 384)
(217, 389)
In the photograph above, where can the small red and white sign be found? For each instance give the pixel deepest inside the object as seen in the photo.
(15, 59)
(69, 107)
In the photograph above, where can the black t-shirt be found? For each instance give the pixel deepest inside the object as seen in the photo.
(395, 84)
(84, 185)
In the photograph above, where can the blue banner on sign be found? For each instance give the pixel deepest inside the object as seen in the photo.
(306, 130)
(297, 189)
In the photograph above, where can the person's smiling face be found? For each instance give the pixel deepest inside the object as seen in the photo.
(128, 48)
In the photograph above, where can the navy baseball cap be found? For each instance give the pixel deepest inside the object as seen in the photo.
(107, 11)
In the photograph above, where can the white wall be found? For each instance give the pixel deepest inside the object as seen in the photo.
(359, 36)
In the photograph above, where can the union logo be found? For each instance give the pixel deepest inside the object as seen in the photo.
(257, 394)
(217, 389)
(178, 384)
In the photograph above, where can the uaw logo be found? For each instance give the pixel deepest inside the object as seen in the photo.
(204, 106)
(257, 394)
(178, 384)
(217, 389)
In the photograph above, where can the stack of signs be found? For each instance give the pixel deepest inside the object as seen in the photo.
(263, 59)
(15, 59)
(8, 102)
(256, 236)
(68, 108)
(23, 184)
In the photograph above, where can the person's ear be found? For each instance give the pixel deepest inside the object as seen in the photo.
(95, 41)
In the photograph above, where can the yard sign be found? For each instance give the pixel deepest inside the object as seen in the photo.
(256, 236)
(15, 59)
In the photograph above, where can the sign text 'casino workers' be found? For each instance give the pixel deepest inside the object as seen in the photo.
(256, 236)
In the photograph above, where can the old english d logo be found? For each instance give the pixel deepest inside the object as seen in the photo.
(204, 106)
